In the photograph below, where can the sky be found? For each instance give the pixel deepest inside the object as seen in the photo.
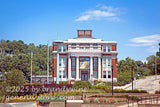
(133, 24)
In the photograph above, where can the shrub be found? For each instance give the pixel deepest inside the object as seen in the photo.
(96, 100)
(129, 91)
(0, 100)
(109, 83)
(99, 83)
(117, 96)
(157, 92)
(94, 91)
(63, 82)
(46, 99)
(92, 100)
(74, 93)
(87, 101)
(37, 83)
(107, 89)
(111, 101)
(104, 100)
(133, 98)
(82, 84)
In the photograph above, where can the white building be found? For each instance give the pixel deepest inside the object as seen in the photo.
(85, 58)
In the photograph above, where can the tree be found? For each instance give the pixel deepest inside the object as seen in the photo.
(3, 46)
(125, 77)
(126, 65)
(12, 80)
(139, 63)
(32, 48)
(17, 55)
(151, 63)
(125, 68)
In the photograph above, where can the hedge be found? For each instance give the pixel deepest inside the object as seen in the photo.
(82, 85)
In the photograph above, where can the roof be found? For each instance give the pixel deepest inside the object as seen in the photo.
(88, 40)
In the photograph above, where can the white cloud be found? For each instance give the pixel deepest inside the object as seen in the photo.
(109, 8)
(150, 41)
(104, 12)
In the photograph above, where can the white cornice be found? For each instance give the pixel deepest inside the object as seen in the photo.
(89, 40)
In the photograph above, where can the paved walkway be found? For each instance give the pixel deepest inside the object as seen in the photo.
(130, 105)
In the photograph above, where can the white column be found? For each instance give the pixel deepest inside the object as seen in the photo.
(99, 68)
(77, 68)
(91, 67)
(57, 76)
(61, 48)
(69, 69)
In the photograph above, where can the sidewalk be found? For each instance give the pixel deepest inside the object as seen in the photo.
(130, 105)
(125, 86)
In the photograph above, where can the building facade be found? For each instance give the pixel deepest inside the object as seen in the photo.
(84, 58)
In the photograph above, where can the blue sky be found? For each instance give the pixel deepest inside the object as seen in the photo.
(134, 24)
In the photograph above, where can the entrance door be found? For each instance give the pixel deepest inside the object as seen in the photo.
(84, 75)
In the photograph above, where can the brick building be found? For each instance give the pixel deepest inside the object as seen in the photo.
(84, 58)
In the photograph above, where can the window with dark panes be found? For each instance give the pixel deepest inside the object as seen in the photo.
(73, 74)
(109, 74)
(95, 62)
(73, 62)
(64, 48)
(104, 48)
(60, 75)
(64, 74)
(104, 74)
(95, 74)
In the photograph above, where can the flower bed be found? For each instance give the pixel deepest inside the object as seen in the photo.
(104, 100)
(47, 99)
(157, 92)
(25, 98)
(40, 89)
(109, 99)
(129, 91)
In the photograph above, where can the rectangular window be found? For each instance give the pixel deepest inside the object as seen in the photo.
(64, 62)
(60, 62)
(73, 74)
(81, 48)
(87, 32)
(109, 62)
(95, 74)
(60, 74)
(104, 62)
(85, 45)
(87, 48)
(104, 74)
(109, 74)
(95, 62)
(59, 48)
(95, 45)
(73, 62)
(64, 74)
(109, 48)
(73, 45)
(64, 48)
(81, 32)
(104, 48)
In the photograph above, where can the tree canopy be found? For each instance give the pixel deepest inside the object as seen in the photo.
(17, 55)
